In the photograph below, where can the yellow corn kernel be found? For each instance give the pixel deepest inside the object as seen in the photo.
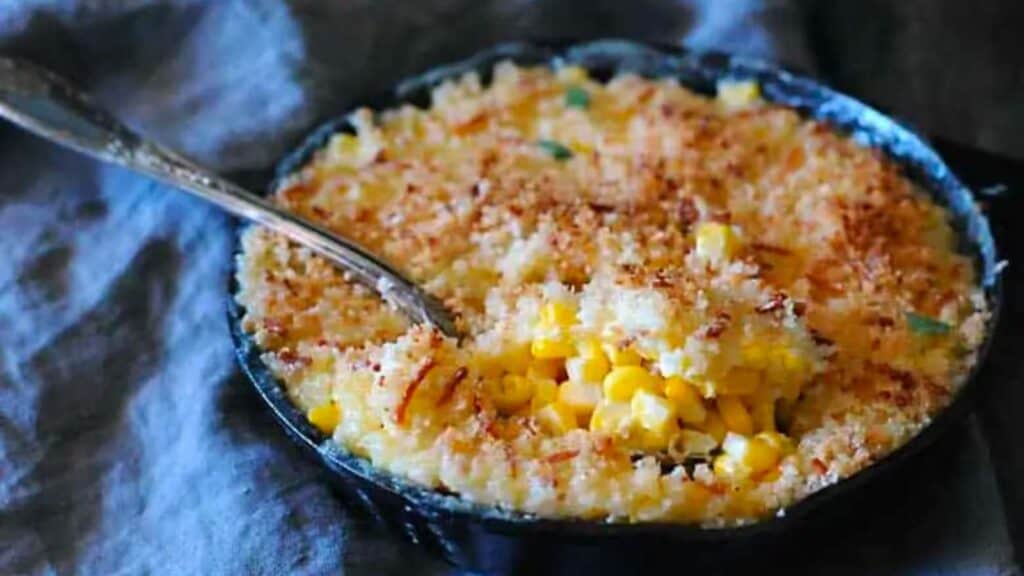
(572, 74)
(557, 314)
(736, 94)
(344, 147)
(541, 369)
(715, 426)
(688, 443)
(556, 418)
(788, 370)
(739, 381)
(790, 389)
(487, 366)
(686, 399)
(794, 362)
(582, 397)
(512, 392)
(694, 500)
(325, 417)
(735, 415)
(754, 453)
(545, 391)
(756, 354)
(727, 467)
(651, 354)
(590, 348)
(580, 147)
(625, 356)
(763, 414)
(800, 370)
(705, 388)
(779, 441)
(610, 417)
(655, 440)
(587, 368)
(776, 377)
(516, 359)
(322, 363)
(551, 348)
(716, 242)
(620, 384)
(552, 341)
(653, 413)
(592, 364)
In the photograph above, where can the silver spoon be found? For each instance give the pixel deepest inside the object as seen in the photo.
(46, 104)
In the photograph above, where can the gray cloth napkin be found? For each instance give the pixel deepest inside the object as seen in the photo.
(129, 441)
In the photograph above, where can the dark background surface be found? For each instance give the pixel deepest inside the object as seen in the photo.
(129, 442)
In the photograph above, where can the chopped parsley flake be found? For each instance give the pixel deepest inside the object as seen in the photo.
(924, 325)
(556, 150)
(576, 97)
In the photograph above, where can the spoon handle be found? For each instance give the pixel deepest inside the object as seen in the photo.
(49, 106)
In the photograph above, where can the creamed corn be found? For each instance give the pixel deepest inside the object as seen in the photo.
(678, 307)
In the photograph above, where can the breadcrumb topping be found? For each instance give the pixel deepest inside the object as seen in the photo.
(678, 307)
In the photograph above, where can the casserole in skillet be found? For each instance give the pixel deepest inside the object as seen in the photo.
(681, 308)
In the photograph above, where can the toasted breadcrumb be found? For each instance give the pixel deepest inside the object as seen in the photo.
(714, 241)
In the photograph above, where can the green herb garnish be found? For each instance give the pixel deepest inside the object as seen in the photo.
(925, 325)
(556, 150)
(576, 97)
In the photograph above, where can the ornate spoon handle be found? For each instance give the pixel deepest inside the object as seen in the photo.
(47, 105)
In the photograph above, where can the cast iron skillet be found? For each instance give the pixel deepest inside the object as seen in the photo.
(490, 539)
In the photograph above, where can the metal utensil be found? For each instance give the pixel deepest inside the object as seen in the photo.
(49, 106)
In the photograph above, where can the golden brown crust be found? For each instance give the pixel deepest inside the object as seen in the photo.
(837, 248)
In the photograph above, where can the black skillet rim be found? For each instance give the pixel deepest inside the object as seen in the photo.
(694, 69)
